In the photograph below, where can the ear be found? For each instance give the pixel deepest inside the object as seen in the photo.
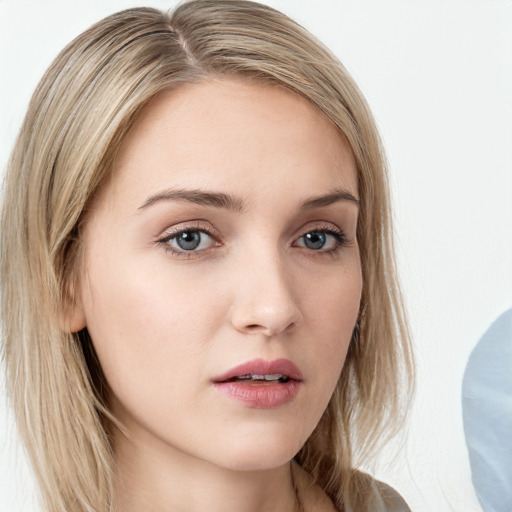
(76, 319)
(72, 317)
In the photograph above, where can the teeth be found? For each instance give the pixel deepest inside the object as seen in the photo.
(275, 376)
(256, 376)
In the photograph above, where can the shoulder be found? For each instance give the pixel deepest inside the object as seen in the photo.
(369, 494)
(376, 496)
(391, 498)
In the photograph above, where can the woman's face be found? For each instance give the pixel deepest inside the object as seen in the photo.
(226, 236)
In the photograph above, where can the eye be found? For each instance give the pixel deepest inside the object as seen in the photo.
(315, 240)
(325, 240)
(187, 241)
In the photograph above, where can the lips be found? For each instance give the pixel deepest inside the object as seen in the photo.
(261, 384)
(262, 367)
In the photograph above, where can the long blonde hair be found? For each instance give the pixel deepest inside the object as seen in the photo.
(80, 112)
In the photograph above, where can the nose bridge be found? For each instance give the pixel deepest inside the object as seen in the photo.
(265, 301)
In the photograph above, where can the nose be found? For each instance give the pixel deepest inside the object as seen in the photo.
(264, 299)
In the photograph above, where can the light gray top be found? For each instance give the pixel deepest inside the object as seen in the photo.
(380, 498)
(387, 499)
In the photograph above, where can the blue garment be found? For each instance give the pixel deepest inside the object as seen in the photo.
(487, 414)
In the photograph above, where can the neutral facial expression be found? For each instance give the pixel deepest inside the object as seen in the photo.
(225, 235)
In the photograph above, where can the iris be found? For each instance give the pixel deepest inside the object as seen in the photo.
(314, 240)
(189, 240)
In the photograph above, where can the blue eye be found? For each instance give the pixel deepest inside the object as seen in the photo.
(315, 240)
(187, 240)
(325, 240)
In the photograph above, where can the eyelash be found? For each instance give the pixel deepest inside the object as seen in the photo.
(164, 241)
(341, 240)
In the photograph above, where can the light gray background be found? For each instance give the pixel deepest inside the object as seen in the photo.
(438, 75)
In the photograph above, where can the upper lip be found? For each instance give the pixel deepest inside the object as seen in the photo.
(262, 367)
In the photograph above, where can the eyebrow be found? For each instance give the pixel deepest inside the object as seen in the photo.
(339, 194)
(215, 199)
(229, 202)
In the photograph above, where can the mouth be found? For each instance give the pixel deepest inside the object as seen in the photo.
(261, 384)
(262, 371)
(260, 378)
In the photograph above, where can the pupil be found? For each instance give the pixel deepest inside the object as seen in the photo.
(314, 240)
(189, 240)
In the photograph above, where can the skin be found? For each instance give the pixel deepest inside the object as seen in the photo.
(164, 323)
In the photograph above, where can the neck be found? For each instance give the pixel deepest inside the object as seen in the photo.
(160, 478)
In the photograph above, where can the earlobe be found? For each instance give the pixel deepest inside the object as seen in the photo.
(76, 319)
(72, 318)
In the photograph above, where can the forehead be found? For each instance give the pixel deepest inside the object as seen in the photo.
(234, 134)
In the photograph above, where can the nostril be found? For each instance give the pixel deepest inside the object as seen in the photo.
(256, 328)
(267, 330)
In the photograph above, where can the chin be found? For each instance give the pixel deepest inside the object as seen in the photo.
(261, 451)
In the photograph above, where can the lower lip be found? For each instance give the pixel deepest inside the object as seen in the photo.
(260, 396)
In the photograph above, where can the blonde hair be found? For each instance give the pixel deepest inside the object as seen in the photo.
(80, 112)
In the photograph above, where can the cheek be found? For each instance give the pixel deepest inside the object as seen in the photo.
(332, 311)
(141, 322)
(333, 306)
(151, 345)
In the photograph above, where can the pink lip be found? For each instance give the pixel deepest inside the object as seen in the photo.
(262, 367)
(264, 395)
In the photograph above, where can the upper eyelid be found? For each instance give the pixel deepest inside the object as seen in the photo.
(171, 236)
(319, 226)
(196, 225)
